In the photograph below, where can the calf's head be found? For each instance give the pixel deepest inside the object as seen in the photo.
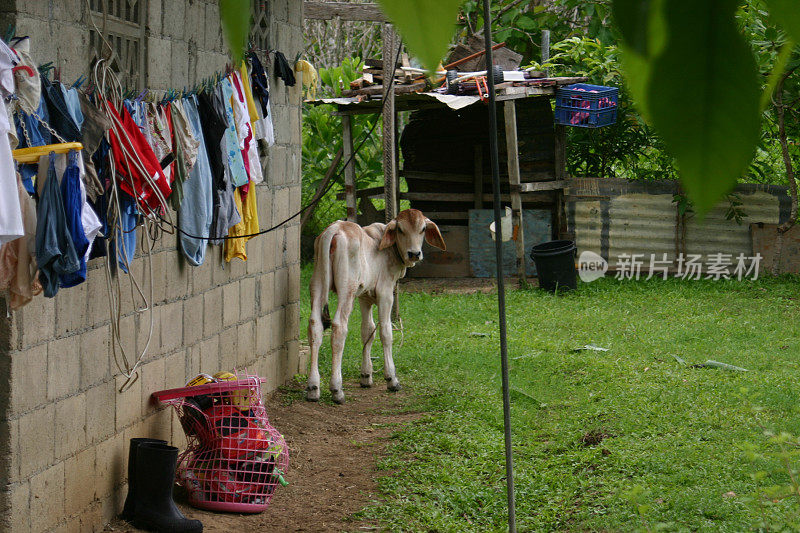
(407, 231)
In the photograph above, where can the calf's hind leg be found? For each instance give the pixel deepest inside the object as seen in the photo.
(367, 338)
(338, 337)
(315, 331)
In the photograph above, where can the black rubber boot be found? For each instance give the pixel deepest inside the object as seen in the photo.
(130, 500)
(155, 476)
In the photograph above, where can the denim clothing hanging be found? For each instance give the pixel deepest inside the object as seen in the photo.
(73, 203)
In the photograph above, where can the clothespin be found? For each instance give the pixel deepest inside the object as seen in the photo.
(141, 95)
(79, 82)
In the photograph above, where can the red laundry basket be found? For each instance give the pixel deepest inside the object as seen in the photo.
(234, 458)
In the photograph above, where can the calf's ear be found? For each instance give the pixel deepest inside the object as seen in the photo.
(389, 235)
(433, 236)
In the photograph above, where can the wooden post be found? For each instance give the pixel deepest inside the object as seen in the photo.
(478, 176)
(560, 160)
(389, 160)
(512, 159)
(349, 169)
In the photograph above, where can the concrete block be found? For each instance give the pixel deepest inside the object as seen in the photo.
(281, 294)
(292, 324)
(263, 335)
(255, 256)
(100, 411)
(38, 320)
(95, 355)
(297, 364)
(213, 40)
(267, 290)
(295, 13)
(159, 63)
(79, 482)
(245, 344)
(293, 287)
(196, 22)
(160, 263)
(174, 22)
(192, 362)
(209, 355)
(28, 379)
(47, 498)
(144, 337)
(228, 348)
(201, 277)
(98, 302)
(192, 320)
(230, 304)
(63, 367)
(176, 269)
(90, 517)
(237, 268)
(279, 10)
(278, 327)
(270, 253)
(175, 370)
(247, 298)
(18, 519)
(127, 337)
(152, 378)
(111, 465)
(212, 312)
(154, 15)
(70, 425)
(158, 425)
(128, 403)
(171, 326)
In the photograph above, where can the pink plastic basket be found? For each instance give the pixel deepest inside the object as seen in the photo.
(234, 458)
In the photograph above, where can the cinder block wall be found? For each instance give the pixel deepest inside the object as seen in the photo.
(64, 426)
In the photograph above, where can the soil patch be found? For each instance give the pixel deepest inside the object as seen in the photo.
(333, 452)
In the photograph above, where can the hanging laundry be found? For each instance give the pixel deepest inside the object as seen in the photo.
(73, 102)
(236, 166)
(196, 210)
(60, 119)
(256, 120)
(261, 90)
(18, 271)
(248, 226)
(94, 128)
(71, 196)
(11, 226)
(55, 252)
(126, 232)
(27, 81)
(32, 132)
(138, 169)
(250, 151)
(283, 70)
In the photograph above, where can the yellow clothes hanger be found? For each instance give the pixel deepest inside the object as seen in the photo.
(32, 154)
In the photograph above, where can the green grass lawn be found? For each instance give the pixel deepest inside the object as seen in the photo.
(613, 441)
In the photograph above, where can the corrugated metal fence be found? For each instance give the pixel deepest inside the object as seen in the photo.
(612, 217)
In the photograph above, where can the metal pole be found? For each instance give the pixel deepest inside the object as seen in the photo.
(498, 246)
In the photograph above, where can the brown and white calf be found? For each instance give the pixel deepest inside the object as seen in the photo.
(363, 263)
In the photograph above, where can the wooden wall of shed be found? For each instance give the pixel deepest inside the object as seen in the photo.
(438, 147)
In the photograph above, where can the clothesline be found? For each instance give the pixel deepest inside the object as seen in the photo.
(195, 151)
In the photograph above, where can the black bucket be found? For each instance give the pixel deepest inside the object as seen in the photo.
(555, 265)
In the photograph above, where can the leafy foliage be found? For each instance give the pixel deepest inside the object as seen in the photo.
(235, 18)
(427, 27)
(322, 138)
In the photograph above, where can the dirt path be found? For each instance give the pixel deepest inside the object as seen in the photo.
(333, 455)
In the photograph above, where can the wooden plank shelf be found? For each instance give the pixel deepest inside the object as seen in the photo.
(538, 186)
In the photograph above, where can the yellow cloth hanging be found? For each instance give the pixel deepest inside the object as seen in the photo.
(248, 94)
(247, 226)
(310, 76)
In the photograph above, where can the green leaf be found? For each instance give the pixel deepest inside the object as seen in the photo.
(787, 14)
(525, 22)
(426, 26)
(235, 18)
(703, 97)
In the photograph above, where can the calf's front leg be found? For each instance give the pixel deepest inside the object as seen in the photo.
(385, 300)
